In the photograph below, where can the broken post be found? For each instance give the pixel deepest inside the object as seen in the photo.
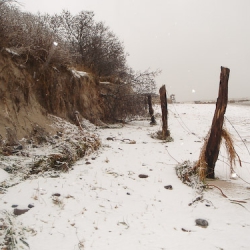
(214, 140)
(151, 110)
(164, 110)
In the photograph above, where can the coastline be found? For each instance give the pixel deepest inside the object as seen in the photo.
(245, 103)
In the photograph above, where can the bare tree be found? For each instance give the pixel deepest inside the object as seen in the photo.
(106, 54)
(31, 36)
(94, 44)
(126, 99)
(76, 30)
(144, 82)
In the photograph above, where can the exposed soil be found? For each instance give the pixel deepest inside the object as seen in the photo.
(29, 92)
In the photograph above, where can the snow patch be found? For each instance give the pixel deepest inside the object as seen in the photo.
(3, 175)
(11, 51)
(78, 74)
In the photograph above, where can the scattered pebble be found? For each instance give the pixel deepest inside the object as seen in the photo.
(87, 162)
(30, 205)
(110, 138)
(54, 176)
(14, 206)
(19, 147)
(168, 187)
(143, 176)
(56, 194)
(18, 211)
(201, 223)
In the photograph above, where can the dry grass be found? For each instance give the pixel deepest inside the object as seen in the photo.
(57, 201)
(201, 165)
(233, 156)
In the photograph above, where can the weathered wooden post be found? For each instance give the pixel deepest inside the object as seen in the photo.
(151, 110)
(214, 140)
(164, 110)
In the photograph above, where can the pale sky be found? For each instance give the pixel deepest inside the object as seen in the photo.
(187, 39)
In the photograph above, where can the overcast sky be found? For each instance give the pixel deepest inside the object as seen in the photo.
(187, 39)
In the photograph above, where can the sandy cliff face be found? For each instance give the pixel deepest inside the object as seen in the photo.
(29, 92)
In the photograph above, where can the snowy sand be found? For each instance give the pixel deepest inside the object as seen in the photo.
(105, 205)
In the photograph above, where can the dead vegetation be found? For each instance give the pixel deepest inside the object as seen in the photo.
(188, 175)
(12, 233)
(195, 174)
(231, 152)
(48, 155)
(201, 165)
(159, 135)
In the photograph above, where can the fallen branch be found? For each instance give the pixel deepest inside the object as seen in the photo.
(210, 185)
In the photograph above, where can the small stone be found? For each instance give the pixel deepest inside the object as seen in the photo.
(14, 206)
(110, 138)
(87, 162)
(93, 158)
(56, 194)
(143, 176)
(30, 205)
(19, 147)
(128, 193)
(54, 176)
(201, 223)
(18, 211)
(168, 187)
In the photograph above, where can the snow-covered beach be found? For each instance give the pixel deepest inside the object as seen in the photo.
(103, 203)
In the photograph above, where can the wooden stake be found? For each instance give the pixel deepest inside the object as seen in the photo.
(164, 110)
(151, 110)
(214, 140)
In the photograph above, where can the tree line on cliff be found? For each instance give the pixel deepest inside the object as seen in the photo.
(68, 39)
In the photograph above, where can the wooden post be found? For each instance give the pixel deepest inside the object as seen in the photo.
(214, 140)
(151, 110)
(164, 110)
